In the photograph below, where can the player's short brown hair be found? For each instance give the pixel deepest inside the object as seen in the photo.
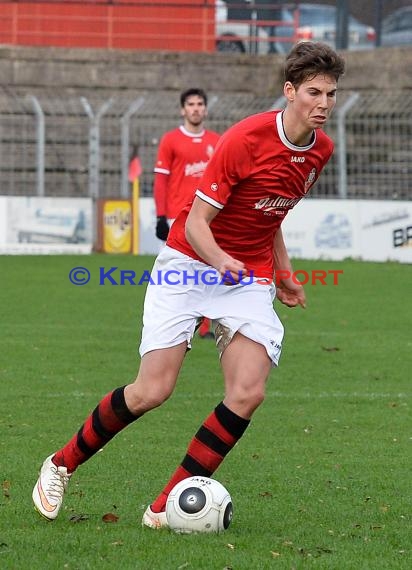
(308, 59)
(192, 91)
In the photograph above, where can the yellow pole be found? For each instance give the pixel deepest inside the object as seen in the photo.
(135, 210)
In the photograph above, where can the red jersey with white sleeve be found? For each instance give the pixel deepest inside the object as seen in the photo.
(182, 156)
(255, 177)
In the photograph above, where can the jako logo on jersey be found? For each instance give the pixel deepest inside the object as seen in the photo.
(269, 204)
(297, 159)
(214, 187)
(310, 179)
(195, 169)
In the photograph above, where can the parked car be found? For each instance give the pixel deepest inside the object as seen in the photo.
(307, 22)
(318, 22)
(397, 28)
(237, 36)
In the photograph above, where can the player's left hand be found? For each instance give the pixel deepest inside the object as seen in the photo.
(290, 293)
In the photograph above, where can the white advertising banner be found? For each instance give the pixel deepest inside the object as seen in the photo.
(362, 229)
(386, 230)
(377, 230)
(45, 225)
(148, 242)
(315, 229)
(3, 219)
(323, 229)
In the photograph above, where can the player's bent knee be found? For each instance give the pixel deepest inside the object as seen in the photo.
(246, 402)
(140, 402)
(256, 399)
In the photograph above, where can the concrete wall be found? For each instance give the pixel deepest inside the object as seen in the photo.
(30, 69)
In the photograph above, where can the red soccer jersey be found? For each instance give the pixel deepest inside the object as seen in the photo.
(256, 176)
(183, 156)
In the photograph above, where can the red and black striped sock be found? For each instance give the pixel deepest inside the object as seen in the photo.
(213, 441)
(107, 419)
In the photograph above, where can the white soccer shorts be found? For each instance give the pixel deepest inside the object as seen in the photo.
(182, 290)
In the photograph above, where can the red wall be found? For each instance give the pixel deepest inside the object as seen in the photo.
(179, 25)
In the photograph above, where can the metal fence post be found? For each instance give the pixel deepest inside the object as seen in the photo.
(341, 144)
(125, 143)
(94, 144)
(94, 156)
(40, 144)
(212, 101)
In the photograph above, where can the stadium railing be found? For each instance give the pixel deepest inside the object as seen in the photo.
(52, 144)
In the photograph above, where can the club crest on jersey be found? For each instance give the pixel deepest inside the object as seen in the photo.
(209, 150)
(214, 186)
(310, 179)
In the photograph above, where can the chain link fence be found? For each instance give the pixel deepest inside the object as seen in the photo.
(53, 144)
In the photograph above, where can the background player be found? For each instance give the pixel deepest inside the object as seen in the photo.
(182, 157)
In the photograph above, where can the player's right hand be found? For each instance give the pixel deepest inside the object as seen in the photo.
(162, 228)
(232, 271)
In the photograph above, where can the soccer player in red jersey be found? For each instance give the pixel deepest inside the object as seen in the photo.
(182, 157)
(222, 252)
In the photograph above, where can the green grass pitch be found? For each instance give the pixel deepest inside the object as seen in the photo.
(320, 480)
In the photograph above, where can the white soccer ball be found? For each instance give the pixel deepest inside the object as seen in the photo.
(199, 504)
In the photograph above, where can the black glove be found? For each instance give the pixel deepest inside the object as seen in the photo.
(162, 228)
